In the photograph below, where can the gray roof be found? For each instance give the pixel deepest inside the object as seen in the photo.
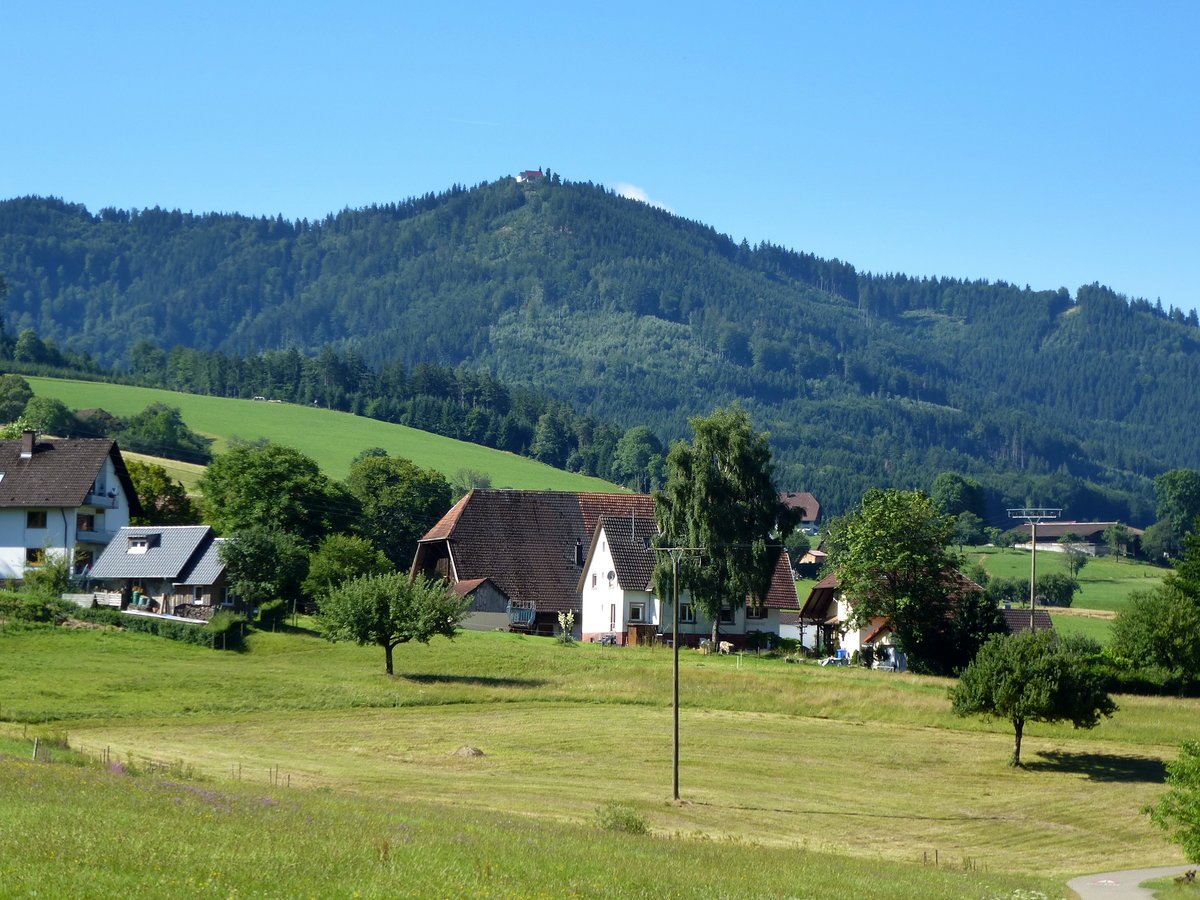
(59, 473)
(208, 567)
(179, 553)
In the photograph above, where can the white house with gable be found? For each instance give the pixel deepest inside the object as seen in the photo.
(61, 497)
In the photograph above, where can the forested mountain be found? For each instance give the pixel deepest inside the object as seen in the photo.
(638, 317)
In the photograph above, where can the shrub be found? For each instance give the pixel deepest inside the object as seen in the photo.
(566, 625)
(271, 614)
(615, 816)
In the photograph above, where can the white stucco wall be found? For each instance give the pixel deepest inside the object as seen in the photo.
(60, 535)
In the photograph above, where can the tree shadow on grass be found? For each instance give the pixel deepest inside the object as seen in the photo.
(481, 680)
(1101, 766)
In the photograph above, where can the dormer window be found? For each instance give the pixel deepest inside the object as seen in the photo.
(139, 543)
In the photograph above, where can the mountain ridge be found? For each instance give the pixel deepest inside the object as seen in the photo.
(638, 316)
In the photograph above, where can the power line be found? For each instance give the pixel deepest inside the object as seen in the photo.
(1033, 516)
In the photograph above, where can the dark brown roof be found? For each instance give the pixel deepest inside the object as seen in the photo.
(526, 541)
(802, 500)
(59, 473)
(821, 599)
(634, 561)
(1017, 620)
(632, 558)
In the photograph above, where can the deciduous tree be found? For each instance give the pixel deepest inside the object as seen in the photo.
(892, 558)
(1178, 810)
(164, 500)
(264, 564)
(341, 558)
(400, 501)
(1034, 676)
(15, 393)
(390, 610)
(720, 496)
(276, 487)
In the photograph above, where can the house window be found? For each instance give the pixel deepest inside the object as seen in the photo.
(139, 544)
(726, 615)
(612, 617)
(34, 556)
(687, 613)
(637, 612)
(593, 579)
(755, 611)
(85, 522)
(35, 518)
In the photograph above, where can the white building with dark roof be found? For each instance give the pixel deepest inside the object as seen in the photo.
(60, 498)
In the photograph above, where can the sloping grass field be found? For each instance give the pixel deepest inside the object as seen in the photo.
(1105, 583)
(331, 438)
(796, 780)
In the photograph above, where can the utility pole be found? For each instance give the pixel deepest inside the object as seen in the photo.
(1033, 516)
(676, 554)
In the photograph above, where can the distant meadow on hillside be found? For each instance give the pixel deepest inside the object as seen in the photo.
(331, 438)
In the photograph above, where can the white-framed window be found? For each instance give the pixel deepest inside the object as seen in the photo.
(687, 613)
(637, 612)
(755, 611)
(139, 544)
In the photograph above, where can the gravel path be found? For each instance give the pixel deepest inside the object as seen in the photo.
(1121, 885)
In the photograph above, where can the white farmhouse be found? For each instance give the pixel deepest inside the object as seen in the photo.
(60, 498)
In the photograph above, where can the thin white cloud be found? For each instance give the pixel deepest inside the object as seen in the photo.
(633, 192)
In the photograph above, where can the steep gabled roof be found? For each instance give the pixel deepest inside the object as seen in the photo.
(821, 602)
(802, 500)
(184, 554)
(782, 594)
(634, 561)
(1017, 620)
(527, 542)
(627, 541)
(59, 473)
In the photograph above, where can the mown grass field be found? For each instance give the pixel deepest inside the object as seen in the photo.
(870, 767)
(331, 438)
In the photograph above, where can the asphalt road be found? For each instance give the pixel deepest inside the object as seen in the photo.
(1122, 885)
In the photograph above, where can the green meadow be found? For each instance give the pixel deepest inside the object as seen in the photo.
(331, 438)
(1105, 583)
(796, 781)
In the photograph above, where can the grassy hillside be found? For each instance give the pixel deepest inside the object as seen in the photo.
(331, 438)
(869, 766)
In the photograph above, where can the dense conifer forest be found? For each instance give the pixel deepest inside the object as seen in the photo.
(554, 319)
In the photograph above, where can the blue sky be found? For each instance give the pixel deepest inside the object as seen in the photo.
(1049, 144)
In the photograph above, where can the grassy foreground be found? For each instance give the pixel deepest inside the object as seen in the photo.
(331, 438)
(776, 758)
(90, 832)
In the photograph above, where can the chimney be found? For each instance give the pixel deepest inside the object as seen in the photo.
(28, 437)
